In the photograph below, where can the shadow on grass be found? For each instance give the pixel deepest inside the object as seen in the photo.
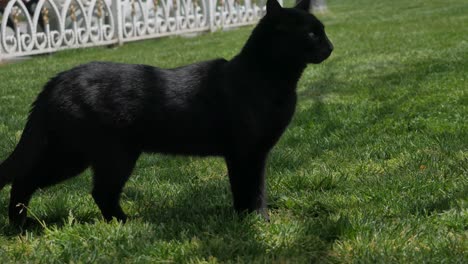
(203, 213)
(387, 92)
(444, 203)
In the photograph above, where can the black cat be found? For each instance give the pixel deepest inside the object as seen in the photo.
(104, 115)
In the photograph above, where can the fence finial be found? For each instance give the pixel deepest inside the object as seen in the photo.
(72, 12)
(45, 15)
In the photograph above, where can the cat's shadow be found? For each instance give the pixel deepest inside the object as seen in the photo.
(191, 215)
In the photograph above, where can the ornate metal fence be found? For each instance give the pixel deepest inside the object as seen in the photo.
(52, 25)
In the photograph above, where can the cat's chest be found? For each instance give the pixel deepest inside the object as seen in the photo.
(278, 112)
(270, 115)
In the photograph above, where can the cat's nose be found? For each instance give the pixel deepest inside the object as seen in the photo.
(330, 45)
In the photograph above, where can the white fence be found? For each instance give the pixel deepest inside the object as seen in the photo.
(53, 25)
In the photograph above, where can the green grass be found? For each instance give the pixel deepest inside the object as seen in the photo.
(373, 168)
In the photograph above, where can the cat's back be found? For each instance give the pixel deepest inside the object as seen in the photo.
(193, 80)
(98, 80)
(104, 77)
(118, 94)
(104, 93)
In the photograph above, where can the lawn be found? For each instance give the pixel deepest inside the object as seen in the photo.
(373, 168)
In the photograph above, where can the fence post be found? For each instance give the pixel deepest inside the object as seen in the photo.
(3, 4)
(211, 12)
(118, 18)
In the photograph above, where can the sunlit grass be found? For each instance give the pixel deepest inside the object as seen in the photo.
(373, 168)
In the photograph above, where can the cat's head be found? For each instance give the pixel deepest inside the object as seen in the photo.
(296, 32)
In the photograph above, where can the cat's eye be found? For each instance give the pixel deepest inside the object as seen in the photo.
(312, 35)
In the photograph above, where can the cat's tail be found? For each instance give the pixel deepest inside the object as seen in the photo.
(28, 151)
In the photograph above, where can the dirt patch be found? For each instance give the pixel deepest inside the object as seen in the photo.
(12, 60)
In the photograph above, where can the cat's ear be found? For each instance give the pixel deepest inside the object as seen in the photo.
(303, 5)
(273, 8)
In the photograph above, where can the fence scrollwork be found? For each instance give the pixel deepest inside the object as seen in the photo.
(30, 27)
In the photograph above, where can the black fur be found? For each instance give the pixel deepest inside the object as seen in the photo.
(104, 115)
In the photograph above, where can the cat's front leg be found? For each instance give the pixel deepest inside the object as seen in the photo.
(247, 178)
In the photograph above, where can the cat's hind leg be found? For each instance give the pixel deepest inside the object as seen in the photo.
(53, 168)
